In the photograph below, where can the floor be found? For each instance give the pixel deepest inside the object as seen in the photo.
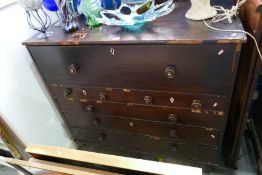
(7, 171)
(247, 164)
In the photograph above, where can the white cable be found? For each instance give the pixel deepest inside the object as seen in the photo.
(236, 31)
(223, 14)
(229, 14)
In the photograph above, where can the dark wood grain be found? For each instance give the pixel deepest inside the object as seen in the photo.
(170, 29)
(87, 92)
(249, 66)
(209, 119)
(199, 68)
(208, 136)
(157, 147)
(115, 87)
(208, 102)
(132, 97)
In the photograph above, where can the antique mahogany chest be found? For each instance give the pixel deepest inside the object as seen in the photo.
(161, 93)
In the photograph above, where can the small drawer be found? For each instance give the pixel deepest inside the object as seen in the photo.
(207, 136)
(179, 100)
(210, 119)
(93, 93)
(147, 145)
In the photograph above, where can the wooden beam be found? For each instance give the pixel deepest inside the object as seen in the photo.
(57, 167)
(112, 161)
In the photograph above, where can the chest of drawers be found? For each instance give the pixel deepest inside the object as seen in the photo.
(160, 93)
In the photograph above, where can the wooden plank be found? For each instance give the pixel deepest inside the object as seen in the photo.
(112, 161)
(72, 167)
(57, 167)
(11, 140)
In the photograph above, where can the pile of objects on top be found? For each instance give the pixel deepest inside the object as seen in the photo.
(131, 14)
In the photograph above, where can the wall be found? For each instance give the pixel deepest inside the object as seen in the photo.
(24, 102)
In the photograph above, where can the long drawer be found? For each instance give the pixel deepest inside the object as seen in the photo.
(116, 140)
(208, 136)
(209, 119)
(180, 68)
(171, 99)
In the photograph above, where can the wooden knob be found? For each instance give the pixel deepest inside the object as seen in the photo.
(148, 100)
(102, 96)
(173, 148)
(89, 108)
(170, 72)
(96, 122)
(172, 118)
(72, 69)
(102, 137)
(173, 133)
(196, 104)
(67, 92)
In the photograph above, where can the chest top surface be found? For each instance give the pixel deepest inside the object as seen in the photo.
(173, 28)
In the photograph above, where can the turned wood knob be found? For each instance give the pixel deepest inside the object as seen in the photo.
(72, 69)
(102, 137)
(173, 148)
(67, 92)
(148, 100)
(172, 118)
(89, 108)
(102, 96)
(170, 72)
(173, 133)
(96, 122)
(196, 104)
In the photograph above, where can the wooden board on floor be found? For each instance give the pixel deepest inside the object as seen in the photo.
(57, 167)
(111, 160)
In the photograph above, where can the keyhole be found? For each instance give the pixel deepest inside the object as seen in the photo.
(84, 92)
(112, 51)
(131, 124)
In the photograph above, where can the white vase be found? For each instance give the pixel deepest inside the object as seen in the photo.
(200, 9)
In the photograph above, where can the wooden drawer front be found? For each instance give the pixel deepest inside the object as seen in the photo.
(181, 100)
(207, 136)
(94, 93)
(145, 144)
(86, 146)
(196, 68)
(208, 119)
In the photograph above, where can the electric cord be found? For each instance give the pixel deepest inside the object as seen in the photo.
(228, 14)
(236, 31)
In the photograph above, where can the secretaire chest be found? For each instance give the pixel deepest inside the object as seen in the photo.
(163, 92)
